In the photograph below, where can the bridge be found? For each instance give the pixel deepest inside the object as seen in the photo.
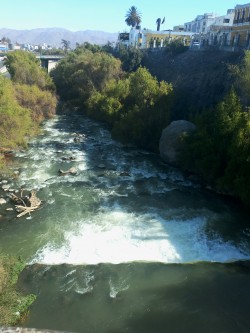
(49, 61)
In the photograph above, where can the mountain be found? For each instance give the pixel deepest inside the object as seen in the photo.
(53, 36)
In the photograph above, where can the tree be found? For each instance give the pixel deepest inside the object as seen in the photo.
(24, 68)
(133, 17)
(15, 121)
(220, 148)
(6, 40)
(241, 74)
(82, 72)
(66, 44)
(137, 108)
(130, 57)
(41, 103)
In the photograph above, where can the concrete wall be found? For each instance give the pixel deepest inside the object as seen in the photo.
(52, 64)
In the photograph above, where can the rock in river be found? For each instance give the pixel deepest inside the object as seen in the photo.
(171, 140)
(2, 201)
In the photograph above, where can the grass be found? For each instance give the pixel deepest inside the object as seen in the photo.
(13, 305)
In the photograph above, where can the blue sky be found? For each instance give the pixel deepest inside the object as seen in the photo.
(106, 15)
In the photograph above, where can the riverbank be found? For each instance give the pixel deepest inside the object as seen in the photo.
(13, 304)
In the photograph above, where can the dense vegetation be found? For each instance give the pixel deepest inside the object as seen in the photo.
(25, 100)
(219, 151)
(82, 72)
(13, 305)
(24, 68)
(15, 121)
(137, 107)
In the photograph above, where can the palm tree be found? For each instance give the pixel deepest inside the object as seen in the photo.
(133, 17)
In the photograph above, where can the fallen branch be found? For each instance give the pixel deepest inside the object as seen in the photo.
(26, 205)
(25, 210)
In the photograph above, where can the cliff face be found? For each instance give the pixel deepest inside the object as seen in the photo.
(200, 78)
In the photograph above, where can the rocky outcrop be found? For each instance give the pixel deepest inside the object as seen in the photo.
(171, 142)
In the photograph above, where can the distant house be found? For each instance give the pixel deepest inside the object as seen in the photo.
(4, 47)
(17, 46)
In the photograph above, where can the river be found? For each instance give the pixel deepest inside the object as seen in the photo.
(128, 244)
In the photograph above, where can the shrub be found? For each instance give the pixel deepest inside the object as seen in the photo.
(13, 305)
(220, 148)
(15, 121)
(24, 68)
(41, 103)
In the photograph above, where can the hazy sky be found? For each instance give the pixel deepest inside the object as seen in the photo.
(106, 15)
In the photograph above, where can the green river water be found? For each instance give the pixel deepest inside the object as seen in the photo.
(128, 244)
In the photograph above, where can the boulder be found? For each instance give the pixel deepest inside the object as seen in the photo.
(171, 140)
(71, 171)
(5, 187)
(2, 201)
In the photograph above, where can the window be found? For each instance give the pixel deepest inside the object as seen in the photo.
(226, 20)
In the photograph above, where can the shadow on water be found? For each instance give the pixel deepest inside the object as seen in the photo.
(140, 297)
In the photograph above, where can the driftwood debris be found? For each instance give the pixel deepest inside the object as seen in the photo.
(26, 204)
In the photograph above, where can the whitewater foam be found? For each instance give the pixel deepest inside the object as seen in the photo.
(118, 237)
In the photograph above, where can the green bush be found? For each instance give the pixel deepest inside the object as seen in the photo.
(82, 73)
(15, 121)
(131, 57)
(24, 68)
(177, 46)
(13, 305)
(42, 103)
(137, 108)
(220, 148)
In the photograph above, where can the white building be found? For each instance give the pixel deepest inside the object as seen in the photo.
(201, 23)
(152, 39)
(225, 20)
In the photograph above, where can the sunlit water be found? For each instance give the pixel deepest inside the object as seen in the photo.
(137, 231)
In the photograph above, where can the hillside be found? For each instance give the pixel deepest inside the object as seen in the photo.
(201, 78)
(53, 36)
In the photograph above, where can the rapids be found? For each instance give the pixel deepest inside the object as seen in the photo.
(126, 238)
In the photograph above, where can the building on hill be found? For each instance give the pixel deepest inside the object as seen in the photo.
(201, 23)
(240, 35)
(229, 32)
(219, 33)
(153, 39)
